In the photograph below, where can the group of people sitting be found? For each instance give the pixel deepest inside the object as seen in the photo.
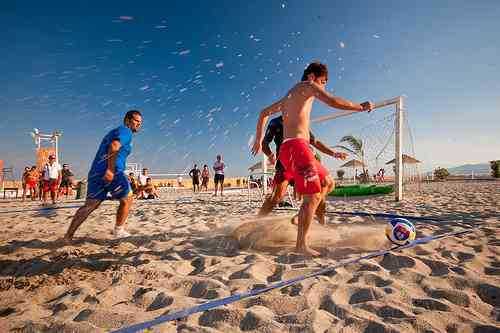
(142, 186)
(51, 178)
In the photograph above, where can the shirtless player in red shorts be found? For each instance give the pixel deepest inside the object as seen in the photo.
(310, 177)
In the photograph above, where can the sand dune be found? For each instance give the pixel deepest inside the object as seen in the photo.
(185, 250)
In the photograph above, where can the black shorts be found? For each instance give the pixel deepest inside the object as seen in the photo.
(219, 179)
(196, 181)
(65, 183)
(279, 173)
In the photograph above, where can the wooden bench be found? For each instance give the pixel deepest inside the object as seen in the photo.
(10, 189)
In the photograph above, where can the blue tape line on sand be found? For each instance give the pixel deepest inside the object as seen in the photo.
(39, 209)
(390, 216)
(236, 297)
(384, 215)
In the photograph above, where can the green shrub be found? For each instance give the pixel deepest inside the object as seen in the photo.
(495, 168)
(441, 173)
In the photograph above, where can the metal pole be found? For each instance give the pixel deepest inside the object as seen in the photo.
(264, 170)
(398, 122)
(57, 147)
(399, 150)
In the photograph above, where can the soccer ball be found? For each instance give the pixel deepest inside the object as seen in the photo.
(400, 231)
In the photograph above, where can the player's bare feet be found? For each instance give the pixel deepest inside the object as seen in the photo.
(308, 251)
(321, 219)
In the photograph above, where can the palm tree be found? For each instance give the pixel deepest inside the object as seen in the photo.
(355, 146)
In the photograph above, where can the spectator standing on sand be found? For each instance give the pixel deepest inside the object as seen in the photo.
(205, 177)
(66, 180)
(23, 181)
(51, 179)
(195, 177)
(219, 167)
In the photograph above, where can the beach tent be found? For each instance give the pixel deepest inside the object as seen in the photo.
(407, 159)
(354, 164)
(413, 175)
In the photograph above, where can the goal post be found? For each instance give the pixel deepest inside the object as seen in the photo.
(398, 104)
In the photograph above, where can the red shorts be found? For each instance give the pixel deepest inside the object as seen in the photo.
(31, 184)
(301, 166)
(50, 185)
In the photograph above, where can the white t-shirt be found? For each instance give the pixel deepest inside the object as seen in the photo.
(142, 179)
(51, 171)
(219, 167)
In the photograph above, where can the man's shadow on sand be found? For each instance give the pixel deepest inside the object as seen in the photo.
(60, 256)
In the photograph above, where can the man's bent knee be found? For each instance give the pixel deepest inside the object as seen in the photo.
(127, 201)
(91, 204)
(329, 183)
(279, 192)
(312, 198)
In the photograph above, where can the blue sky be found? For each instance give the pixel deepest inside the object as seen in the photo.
(201, 71)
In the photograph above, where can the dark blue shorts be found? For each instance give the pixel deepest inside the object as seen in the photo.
(218, 178)
(98, 189)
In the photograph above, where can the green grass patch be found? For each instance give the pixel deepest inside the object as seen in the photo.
(359, 190)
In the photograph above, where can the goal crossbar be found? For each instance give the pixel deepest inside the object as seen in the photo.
(344, 113)
(398, 124)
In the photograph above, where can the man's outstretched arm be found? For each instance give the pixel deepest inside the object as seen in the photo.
(336, 101)
(263, 117)
(327, 150)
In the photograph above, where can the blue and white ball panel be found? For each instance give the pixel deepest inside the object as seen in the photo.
(400, 231)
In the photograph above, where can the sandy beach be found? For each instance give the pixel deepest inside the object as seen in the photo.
(187, 249)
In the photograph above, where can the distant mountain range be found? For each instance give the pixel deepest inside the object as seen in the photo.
(467, 169)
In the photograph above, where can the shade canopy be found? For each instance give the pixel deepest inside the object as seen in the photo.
(407, 159)
(353, 164)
